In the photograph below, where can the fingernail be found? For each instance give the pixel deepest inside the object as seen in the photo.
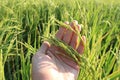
(75, 22)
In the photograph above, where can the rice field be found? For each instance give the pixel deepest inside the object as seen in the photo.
(24, 23)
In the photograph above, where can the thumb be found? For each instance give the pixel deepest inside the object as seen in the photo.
(44, 47)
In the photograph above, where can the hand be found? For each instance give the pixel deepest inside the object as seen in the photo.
(49, 64)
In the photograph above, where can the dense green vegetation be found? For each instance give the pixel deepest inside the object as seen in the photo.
(24, 22)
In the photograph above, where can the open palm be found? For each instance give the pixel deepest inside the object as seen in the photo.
(49, 64)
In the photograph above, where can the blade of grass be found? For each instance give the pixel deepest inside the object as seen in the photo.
(113, 76)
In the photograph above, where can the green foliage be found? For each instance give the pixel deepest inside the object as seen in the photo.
(24, 22)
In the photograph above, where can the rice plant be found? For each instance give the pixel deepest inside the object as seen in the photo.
(24, 24)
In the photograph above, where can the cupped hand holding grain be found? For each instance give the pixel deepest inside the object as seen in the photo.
(49, 64)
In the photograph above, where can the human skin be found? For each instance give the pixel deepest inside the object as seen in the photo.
(49, 64)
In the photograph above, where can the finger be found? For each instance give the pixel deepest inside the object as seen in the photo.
(74, 41)
(74, 24)
(41, 53)
(61, 32)
(67, 37)
(40, 56)
(81, 46)
(79, 27)
(44, 47)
